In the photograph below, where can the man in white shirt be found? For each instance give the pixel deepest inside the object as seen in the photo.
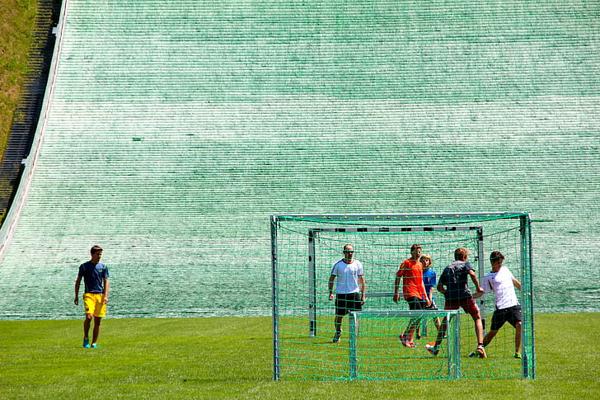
(502, 283)
(350, 290)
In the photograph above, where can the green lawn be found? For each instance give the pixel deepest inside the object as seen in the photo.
(231, 358)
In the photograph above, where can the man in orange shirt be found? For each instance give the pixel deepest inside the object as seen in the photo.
(413, 291)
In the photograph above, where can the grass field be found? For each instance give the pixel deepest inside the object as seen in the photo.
(221, 358)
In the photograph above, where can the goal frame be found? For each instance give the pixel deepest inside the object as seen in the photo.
(528, 365)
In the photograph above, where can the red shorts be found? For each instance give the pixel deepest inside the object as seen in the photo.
(468, 305)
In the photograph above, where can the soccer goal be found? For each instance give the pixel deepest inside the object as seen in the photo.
(304, 249)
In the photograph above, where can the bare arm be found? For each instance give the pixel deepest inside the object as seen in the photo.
(516, 283)
(106, 290)
(430, 295)
(396, 288)
(363, 287)
(77, 284)
(330, 285)
(473, 276)
(441, 288)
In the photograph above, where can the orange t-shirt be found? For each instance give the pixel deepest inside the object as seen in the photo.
(412, 273)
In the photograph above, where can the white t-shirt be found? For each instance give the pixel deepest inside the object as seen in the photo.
(501, 283)
(347, 276)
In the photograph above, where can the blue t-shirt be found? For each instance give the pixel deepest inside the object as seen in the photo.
(93, 276)
(429, 280)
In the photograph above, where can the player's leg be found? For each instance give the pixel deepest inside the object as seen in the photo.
(518, 330)
(90, 307)
(435, 349)
(99, 313)
(97, 321)
(514, 318)
(406, 338)
(86, 330)
(498, 319)
(341, 309)
(489, 337)
(471, 308)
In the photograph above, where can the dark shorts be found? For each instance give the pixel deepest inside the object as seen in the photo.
(415, 303)
(512, 315)
(467, 304)
(344, 303)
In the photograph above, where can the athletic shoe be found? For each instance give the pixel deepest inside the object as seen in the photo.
(517, 355)
(336, 337)
(481, 352)
(86, 343)
(433, 349)
(405, 342)
(94, 346)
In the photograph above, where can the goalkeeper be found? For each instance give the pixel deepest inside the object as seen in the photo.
(350, 288)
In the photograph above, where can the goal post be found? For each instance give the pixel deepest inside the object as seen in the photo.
(304, 249)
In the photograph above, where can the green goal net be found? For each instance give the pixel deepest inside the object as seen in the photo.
(304, 249)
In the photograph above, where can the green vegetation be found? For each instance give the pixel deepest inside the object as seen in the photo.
(16, 26)
(231, 358)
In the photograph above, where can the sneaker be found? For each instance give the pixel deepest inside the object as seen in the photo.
(433, 349)
(405, 342)
(336, 337)
(86, 343)
(94, 346)
(481, 352)
(517, 355)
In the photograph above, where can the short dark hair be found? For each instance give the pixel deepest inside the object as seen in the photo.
(95, 249)
(415, 246)
(496, 255)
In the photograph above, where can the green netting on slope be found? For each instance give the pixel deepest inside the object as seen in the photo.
(174, 129)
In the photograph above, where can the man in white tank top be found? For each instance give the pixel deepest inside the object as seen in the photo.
(350, 290)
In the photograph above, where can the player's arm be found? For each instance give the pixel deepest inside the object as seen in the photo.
(363, 288)
(106, 290)
(440, 285)
(430, 294)
(330, 286)
(516, 282)
(77, 285)
(396, 288)
(479, 289)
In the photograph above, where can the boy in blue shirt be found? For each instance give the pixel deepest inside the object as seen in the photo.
(429, 280)
(95, 276)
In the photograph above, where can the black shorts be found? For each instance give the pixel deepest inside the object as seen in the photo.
(415, 303)
(346, 302)
(510, 314)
